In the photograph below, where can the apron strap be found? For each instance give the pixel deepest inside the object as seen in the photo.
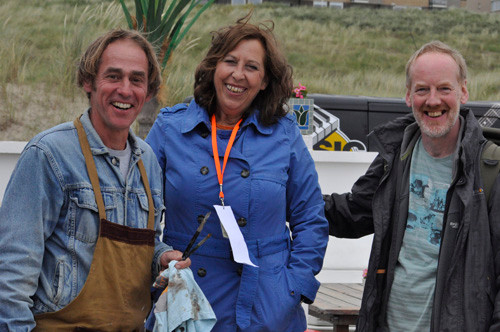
(145, 180)
(91, 169)
(94, 179)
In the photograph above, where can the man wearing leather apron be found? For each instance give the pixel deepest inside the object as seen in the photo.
(80, 219)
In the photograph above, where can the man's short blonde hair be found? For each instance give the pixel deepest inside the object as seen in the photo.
(438, 47)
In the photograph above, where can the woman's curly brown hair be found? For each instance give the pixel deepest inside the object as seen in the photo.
(269, 101)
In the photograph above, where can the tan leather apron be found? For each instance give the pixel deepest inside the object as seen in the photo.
(116, 294)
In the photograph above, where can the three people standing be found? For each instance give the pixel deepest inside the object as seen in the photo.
(83, 242)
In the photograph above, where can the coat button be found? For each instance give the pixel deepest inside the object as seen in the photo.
(202, 272)
(239, 271)
(242, 222)
(204, 170)
(245, 173)
(204, 134)
(114, 161)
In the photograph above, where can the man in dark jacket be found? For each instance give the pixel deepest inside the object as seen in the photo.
(435, 259)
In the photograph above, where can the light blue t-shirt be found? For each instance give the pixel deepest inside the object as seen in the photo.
(412, 292)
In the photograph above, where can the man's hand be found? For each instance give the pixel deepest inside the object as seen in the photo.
(172, 255)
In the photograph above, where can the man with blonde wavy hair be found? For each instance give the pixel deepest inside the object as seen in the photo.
(80, 220)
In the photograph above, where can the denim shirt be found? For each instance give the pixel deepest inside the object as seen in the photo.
(49, 220)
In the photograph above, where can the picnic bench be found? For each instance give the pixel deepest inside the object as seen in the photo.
(338, 303)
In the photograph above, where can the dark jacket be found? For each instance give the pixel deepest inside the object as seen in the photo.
(466, 296)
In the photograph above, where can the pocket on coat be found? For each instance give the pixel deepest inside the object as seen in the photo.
(58, 281)
(138, 214)
(277, 300)
(55, 283)
(157, 201)
(84, 216)
(268, 199)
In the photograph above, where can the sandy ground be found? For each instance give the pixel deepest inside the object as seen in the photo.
(24, 111)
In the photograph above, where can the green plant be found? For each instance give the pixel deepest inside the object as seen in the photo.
(164, 29)
(78, 25)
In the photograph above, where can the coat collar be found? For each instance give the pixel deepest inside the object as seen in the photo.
(196, 115)
(389, 136)
(403, 132)
(472, 134)
(95, 142)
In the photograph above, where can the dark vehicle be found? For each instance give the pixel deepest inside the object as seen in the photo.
(342, 123)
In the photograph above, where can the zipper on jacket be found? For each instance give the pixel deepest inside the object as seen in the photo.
(437, 308)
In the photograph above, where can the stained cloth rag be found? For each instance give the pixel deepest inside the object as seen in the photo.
(180, 304)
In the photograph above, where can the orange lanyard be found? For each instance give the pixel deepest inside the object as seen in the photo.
(215, 150)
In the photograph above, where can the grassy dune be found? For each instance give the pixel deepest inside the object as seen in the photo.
(353, 51)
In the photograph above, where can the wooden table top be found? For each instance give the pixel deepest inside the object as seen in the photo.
(338, 303)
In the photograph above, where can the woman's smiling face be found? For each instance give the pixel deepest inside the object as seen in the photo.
(238, 78)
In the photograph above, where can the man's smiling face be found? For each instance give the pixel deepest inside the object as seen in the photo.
(119, 91)
(435, 93)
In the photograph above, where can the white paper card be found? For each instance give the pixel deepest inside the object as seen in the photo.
(238, 245)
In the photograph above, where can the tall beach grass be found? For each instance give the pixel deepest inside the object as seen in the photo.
(356, 51)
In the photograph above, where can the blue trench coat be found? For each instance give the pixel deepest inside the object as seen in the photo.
(269, 179)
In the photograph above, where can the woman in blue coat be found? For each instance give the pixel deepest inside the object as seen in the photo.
(268, 180)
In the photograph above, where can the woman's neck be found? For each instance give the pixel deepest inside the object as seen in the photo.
(227, 120)
(224, 127)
